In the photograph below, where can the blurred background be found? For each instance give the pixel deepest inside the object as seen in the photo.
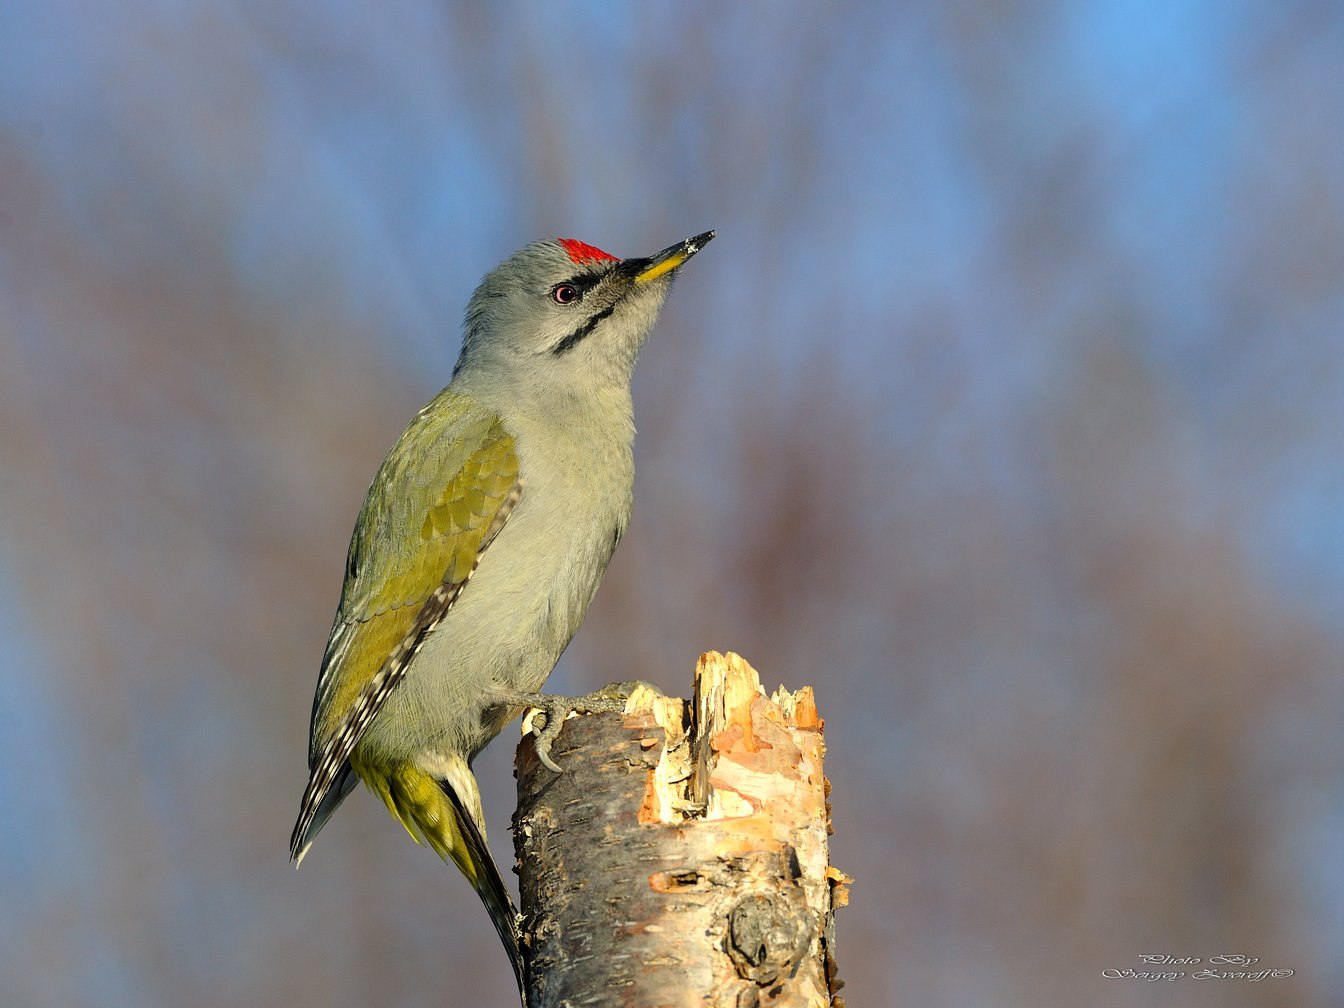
(1007, 410)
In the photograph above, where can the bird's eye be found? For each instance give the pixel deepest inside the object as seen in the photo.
(564, 293)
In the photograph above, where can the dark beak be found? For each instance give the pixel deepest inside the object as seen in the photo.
(670, 258)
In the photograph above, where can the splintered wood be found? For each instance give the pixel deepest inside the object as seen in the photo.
(681, 858)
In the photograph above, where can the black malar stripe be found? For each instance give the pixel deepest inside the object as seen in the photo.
(576, 337)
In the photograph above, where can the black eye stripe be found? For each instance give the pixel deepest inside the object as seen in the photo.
(581, 282)
(576, 337)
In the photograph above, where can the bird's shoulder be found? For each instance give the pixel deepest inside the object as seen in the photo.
(430, 504)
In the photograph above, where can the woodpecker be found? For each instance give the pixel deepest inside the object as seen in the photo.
(479, 546)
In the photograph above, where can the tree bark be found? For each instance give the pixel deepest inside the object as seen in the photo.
(681, 858)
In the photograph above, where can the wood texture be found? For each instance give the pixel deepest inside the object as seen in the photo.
(681, 858)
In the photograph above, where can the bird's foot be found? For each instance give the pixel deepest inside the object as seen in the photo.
(552, 711)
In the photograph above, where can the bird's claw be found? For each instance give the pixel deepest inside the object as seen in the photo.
(552, 711)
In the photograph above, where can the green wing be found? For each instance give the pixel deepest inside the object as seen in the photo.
(440, 497)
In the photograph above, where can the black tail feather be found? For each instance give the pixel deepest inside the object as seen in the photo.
(498, 902)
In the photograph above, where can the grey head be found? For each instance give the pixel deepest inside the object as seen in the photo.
(566, 315)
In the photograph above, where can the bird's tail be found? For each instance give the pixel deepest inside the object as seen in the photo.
(445, 813)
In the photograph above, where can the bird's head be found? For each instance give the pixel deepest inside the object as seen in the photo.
(566, 314)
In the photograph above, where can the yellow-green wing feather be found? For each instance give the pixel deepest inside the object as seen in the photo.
(424, 524)
(441, 495)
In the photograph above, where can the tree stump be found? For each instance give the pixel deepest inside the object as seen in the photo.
(681, 858)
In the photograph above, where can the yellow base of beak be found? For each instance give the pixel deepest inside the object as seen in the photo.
(658, 269)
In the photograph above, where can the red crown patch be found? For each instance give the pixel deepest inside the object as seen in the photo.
(582, 252)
